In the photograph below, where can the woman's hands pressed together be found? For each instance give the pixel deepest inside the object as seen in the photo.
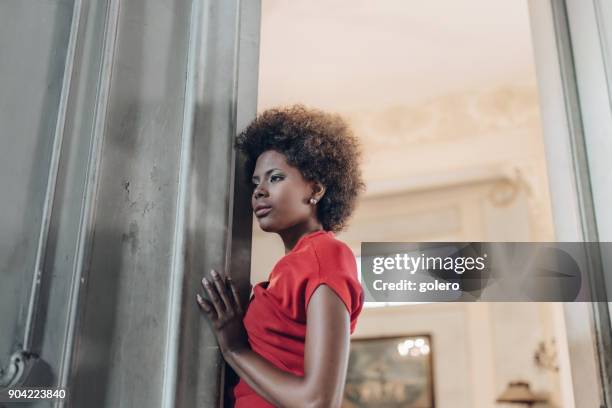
(224, 311)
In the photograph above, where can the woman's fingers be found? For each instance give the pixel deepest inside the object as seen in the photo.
(211, 290)
(222, 290)
(206, 306)
(224, 299)
(203, 303)
(235, 295)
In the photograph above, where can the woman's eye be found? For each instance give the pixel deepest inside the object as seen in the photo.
(272, 178)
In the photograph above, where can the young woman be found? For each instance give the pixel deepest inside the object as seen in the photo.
(291, 347)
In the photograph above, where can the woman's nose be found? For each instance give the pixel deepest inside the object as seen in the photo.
(259, 192)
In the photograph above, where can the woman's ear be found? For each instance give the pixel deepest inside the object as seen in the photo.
(318, 190)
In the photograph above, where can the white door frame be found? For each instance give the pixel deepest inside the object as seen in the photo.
(572, 41)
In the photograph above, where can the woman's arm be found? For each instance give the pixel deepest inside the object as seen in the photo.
(325, 359)
(325, 355)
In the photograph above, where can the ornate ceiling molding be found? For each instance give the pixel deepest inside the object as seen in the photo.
(448, 118)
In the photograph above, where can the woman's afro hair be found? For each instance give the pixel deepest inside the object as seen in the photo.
(320, 145)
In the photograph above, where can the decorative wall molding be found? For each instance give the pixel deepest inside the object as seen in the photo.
(454, 117)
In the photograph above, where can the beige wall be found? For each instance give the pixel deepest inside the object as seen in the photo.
(446, 106)
(479, 183)
(477, 347)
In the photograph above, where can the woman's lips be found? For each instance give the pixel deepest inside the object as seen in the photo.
(262, 212)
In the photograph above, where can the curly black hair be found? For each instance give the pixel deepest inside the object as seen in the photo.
(320, 145)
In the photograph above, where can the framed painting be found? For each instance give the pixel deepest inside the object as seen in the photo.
(390, 372)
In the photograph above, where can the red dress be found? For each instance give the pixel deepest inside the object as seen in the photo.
(275, 319)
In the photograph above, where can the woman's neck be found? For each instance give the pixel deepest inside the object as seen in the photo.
(292, 235)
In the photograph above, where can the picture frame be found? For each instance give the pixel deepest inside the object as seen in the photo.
(390, 372)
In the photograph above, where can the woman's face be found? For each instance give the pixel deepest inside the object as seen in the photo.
(281, 195)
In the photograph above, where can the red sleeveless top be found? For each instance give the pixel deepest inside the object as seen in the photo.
(275, 319)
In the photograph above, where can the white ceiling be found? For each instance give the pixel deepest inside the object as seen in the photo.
(354, 54)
